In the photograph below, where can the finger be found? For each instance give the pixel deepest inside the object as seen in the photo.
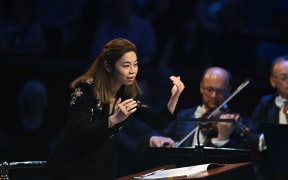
(158, 144)
(179, 85)
(132, 104)
(132, 110)
(127, 101)
(118, 102)
(223, 116)
(227, 116)
(172, 144)
(174, 78)
(129, 104)
(237, 116)
(177, 82)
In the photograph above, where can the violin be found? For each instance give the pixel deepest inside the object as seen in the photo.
(210, 128)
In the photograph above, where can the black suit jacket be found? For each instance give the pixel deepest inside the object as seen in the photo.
(265, 112)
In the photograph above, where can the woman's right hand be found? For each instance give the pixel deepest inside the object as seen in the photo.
(160, 141)
(122, 111)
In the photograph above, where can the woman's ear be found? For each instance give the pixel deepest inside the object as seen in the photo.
(107, 66)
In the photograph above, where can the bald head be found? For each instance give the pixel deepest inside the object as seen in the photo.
(215, 87)
(217, 73)
(279, 75)
(278, 63)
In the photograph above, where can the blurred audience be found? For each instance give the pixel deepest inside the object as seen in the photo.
(227, 41)
(179, 39)
(30, 131)
(3, 142)
(119, 20)
(21, 29)
(276, 43)
(61, 24)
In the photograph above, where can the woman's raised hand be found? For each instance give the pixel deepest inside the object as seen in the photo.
(178, 86)
(122, 111)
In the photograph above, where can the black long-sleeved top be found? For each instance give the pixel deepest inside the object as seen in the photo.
(86, 148)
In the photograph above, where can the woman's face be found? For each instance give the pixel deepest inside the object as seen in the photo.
(126, 69)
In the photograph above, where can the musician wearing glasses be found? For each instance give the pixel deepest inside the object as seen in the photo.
(272, 108)
(215, 88)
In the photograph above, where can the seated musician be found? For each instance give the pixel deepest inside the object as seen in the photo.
(215, 88)
(272, 108)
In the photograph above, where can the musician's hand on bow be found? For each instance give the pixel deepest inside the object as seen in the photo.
(160, 141)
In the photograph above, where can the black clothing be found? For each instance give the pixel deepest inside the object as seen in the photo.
(265, 112)
(86, 148)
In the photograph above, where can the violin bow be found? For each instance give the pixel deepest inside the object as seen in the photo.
(216, 111)
(239, 88)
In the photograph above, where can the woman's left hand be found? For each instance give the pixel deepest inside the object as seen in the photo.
(176, 91)
(178, 86)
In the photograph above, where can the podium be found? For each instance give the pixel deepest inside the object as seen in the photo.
(235, 171)
(188, 156)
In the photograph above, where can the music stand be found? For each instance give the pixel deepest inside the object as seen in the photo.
(184, 156)
(277, 146)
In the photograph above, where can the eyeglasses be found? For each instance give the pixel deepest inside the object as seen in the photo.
(281, 77)
(210, 90)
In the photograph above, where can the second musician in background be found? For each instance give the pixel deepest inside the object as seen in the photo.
(215, 88)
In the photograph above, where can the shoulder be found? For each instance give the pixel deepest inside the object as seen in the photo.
(268, 98)
(82, 90)
(85, 85)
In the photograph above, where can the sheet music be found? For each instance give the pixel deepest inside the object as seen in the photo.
(182, 172)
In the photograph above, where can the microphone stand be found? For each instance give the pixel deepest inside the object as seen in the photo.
(199, 146)
(212, 114)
